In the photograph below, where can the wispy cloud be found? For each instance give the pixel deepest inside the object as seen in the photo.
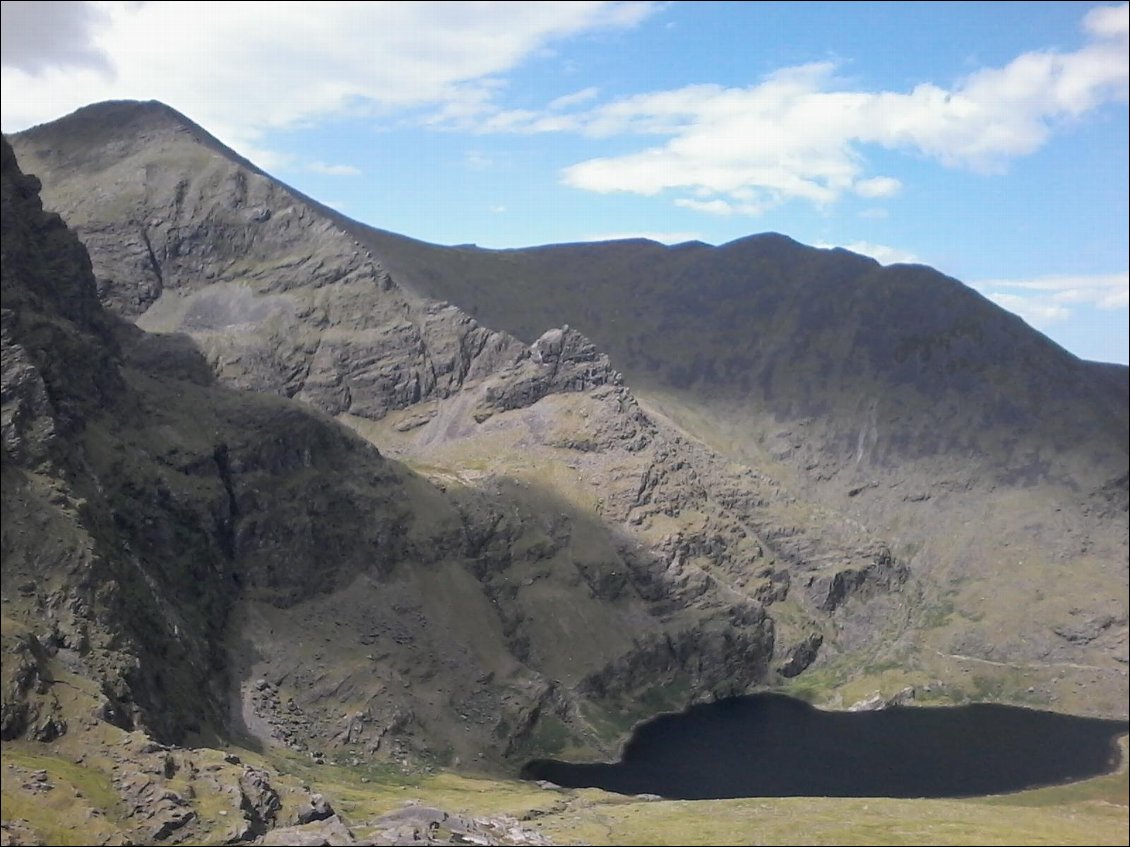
(1049, 299)
(333, 170)
(476, 160)
(244, 68)
(879, 186)
(717, 206)
(568, 101)
(882, 253)
(801, 133)
(1037, 312)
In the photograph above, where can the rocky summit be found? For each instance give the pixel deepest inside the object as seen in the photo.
(277, 481)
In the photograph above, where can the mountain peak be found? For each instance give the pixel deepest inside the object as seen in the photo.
(115, 118)
(119, 127)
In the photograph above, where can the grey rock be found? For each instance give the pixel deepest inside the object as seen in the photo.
(319, 809)
(877, 701)
(800, 656)
(258, 800)
(560, 360)
(323, 832)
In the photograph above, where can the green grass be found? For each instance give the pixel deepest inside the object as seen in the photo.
(62, 815)
(1092, 812)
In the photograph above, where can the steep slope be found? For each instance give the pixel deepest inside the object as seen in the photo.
(934, 446)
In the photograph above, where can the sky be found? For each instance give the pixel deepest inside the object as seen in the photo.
(989, 140)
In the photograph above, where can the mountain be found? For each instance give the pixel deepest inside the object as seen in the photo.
(191, 556)
(277, 479)
(929, 492)
(186, 563)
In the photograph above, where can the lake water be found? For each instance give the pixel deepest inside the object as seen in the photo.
(769, 745)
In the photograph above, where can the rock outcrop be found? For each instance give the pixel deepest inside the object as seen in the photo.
(560, 360)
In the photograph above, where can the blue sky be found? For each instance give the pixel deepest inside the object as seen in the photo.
(989, 140)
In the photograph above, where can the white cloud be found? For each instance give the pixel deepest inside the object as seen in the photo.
(241, 68)
(1047, 300)
(333, 170)
(1108, 21)
(661, 237)
(879, 186)
(1103, 291)
(800, 133)
(577, 97)
(718, 206)
(882, 253)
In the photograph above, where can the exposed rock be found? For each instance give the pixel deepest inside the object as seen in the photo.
(329, 830)
(800, 655)
(239, 495)
(732, 653)
(224, 562)
(319, 810)
(1085, 628)
(903, 697)
(279, 298)
(426, 825)
(258, 800)
(160, 811)
(883, 573)
(18, 833)
(560, 360)
(30, 708)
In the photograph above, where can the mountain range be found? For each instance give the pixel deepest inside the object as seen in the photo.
(278, 478)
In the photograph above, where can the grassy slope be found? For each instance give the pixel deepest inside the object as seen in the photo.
(1093, 812)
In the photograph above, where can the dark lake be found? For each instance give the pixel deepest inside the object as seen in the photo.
(769, 745)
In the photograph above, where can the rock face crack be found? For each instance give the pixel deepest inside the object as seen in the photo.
(225, 524)
(154, 265)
